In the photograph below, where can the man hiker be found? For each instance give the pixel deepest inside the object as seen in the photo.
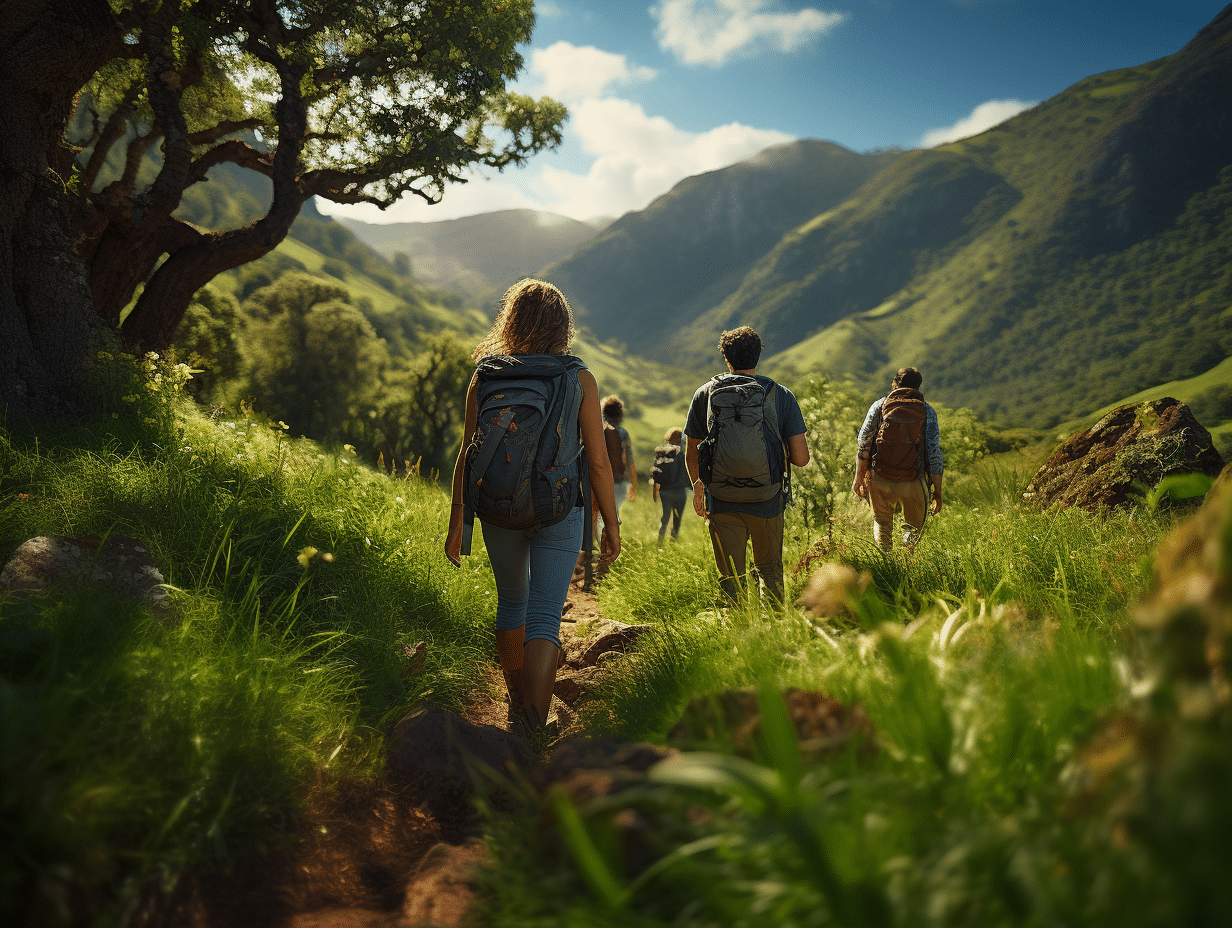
(899, 464)
(744, 431)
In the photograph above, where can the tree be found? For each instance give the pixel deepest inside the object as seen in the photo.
(833, 413)
(356, 101)
(313, 359)
(421, 409)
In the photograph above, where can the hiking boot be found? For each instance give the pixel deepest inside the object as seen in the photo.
(513, 682)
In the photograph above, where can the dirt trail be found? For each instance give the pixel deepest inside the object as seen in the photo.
(398, 852)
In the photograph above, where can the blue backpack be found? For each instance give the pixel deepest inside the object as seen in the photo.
(525, 466)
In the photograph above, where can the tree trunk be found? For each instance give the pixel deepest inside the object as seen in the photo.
(48, 50)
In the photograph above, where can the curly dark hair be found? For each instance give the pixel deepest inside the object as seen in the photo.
(909, 378)
(613, 409)
(741, 348)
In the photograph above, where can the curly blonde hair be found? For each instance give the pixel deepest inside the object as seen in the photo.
(534, 318)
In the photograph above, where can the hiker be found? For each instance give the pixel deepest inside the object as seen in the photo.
(619, 450)
(528, 396)
(669, 481)
(744, 431)
(899, 457)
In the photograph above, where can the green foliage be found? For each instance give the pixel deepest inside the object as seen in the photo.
(417, 417)
(833, 414)
(208, 339)
(140, 748)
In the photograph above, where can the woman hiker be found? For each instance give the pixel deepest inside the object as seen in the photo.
(533, 567)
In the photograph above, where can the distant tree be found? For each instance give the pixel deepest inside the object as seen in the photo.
(312, 359)
(833, 413)
(421, 408)
(402, 264)
(356, 101)
(208, 340)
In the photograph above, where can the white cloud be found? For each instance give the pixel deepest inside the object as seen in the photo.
(640, 157)
(571, 72)
(713, 31)
(633, 157)
(982, 118)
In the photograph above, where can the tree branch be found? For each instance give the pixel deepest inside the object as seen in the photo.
(110, 134)
(228, 127)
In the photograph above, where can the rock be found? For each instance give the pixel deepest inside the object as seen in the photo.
(116, 563)
(440, 893)
(1131, 448)
(587, 768)
(602, 637)
(438, 744)
(413, 658)
(732, 719)
(574, 686)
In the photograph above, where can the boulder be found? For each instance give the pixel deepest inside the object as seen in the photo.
(1126, 452)
(116, 563)
(442, 746)
(583, 648)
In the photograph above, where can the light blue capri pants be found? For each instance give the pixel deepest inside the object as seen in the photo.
(533, 570)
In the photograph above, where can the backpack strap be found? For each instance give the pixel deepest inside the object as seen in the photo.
(483, 458)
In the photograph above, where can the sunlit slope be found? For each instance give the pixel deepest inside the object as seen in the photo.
(652, 272)
(476, 255)
(1112, 271)
(398, 306)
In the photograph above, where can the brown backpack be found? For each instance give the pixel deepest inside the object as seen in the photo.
(615, 452)
(899, 452)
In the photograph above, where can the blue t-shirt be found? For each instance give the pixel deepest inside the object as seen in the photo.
(791, 422)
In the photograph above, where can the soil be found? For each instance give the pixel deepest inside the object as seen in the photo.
(390, 854)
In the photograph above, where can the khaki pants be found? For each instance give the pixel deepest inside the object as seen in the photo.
(887, 496)
(730, 532)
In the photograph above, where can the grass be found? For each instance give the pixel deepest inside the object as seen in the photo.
(990, 664)
(139, 749)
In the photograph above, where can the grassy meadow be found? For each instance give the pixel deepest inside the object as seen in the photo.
(999, 669)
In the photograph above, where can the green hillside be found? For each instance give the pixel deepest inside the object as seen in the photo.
(477, 255)
(401, 308)
(1106, 269)
(653, 272)
(1209, 396)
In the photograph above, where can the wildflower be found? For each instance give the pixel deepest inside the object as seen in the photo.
(349, 448)
(327, 557)
(398, 499)
(306, 555)
(151, 355)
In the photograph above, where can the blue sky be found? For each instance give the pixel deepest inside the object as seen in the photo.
(662, 89)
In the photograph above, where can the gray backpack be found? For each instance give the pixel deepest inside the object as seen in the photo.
(742, 425)
(525, 466)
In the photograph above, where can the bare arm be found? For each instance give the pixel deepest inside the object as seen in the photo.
(590, 421)
(453, 540)
(797, 449)
(699, 488)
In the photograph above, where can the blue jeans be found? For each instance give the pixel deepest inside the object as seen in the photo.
(533, 570)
